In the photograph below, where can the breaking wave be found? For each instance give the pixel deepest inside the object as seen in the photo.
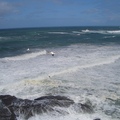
(110, 60)
(114, 32)
(102, 31)
(87, 31)
(26, 56)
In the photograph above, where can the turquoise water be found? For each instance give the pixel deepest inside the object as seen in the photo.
(85, 67)
(15, 41)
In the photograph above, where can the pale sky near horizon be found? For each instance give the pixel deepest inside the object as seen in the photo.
(47, 13)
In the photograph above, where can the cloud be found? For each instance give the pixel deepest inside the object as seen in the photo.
(7, 8)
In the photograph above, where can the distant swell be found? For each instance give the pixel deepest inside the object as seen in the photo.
(57, 32)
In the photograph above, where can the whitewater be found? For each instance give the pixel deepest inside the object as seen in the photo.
(81, 71)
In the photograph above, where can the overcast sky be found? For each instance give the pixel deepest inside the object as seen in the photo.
(45, 13)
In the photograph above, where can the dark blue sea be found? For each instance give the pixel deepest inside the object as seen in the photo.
(85, 67)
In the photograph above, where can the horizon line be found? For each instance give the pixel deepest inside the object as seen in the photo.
(60, 26)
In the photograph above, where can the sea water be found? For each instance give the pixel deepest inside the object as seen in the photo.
(86, 66)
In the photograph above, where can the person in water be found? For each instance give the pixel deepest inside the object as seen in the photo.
(52, 53)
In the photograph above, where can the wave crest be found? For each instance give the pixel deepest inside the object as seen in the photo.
(102, 31)
(26, 56)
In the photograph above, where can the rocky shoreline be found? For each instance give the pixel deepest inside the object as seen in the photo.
(12, 107)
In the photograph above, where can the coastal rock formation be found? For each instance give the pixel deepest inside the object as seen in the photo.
(5, 113)
(11, 107)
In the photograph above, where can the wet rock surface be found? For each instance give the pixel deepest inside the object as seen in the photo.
(11, 107)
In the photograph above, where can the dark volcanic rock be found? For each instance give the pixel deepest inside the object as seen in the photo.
(97, 119)
(15, 106)
(56, 101)
(86, 108)
(11, 107)
(6, 113)
(7, 99)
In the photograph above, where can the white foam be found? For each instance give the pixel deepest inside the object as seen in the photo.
(114, 32)
(102, 31)
(86, 30)
(23, 88)
(90, 31)
(30, 78)
(108, 60)
(26, 56)
(94, 31)
(71, 116)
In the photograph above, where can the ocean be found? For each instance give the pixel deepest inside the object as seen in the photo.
(85, 66)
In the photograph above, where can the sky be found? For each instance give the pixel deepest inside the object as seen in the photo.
(50, 13)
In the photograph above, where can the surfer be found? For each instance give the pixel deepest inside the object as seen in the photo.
(52, 53)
